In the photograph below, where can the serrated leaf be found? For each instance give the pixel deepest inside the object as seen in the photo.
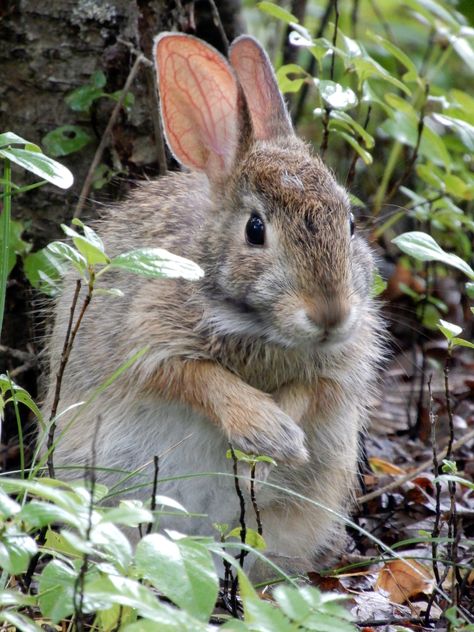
(66, 139)
(157, 263)
(183, 570)
(423, 247)
(44, 270)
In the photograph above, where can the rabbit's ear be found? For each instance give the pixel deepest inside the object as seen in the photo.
(199, 97)
(265, 103)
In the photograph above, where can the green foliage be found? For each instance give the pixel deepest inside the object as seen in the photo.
(69, 139)
(118, 583)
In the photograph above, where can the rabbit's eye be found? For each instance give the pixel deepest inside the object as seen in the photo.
(352, 224)
(255, 231)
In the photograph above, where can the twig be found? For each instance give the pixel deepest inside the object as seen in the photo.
(216, 18)
(391, 620)
(354, 17)
(59, 378)
(351, 171)
(327, 108)
(414, 156)
(24, 356)
(80, 579)
(155, 111)
(105, 136)
(421, 468)
(253, 498)
(436, 527)
(243, 530)
(156, 465)
(303, 93)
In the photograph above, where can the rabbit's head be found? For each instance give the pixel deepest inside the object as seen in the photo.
(278, 245)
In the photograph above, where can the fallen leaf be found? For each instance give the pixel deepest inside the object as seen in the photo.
(403, 579)
(384, 467)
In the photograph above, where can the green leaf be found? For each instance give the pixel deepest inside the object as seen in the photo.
(19, 621)
(449, 329)
(287, 83)
(182, 570)
(252, 538)
(378, 285)
(38, 514)
(66, 140)
(470, 289)
(91, 249)
(423, 247)
(366, 157)
(80, 100)
(464, 130)
(112, 542)
(10, 138)
(56, 590)
(130, 513)
(157, 263)
(460, 342)
(16, 550)
(277, 12)
(98, 79)
(67, 253)
(8, 507)
(412, 74)
(335, 95)
(44, 270)
(367, 68)
(41, 165)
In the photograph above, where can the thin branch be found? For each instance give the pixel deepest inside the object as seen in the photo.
(156, 465)
(253, 498)
(59, 377)
(105, 136)
(351, 171)
(216, 18)
(327, 108)
(414, 156)
(303, 93)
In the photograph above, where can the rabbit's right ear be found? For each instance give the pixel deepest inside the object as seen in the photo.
(267, 109)
(199, 98)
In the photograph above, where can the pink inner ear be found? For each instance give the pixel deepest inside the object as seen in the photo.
(258, 81)
(198, 93)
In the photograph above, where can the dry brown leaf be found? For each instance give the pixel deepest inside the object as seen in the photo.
(403, 579)
(384, 467)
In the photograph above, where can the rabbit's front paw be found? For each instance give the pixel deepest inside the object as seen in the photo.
(271, 432)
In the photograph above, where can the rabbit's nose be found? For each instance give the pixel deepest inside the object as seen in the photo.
(328, 314)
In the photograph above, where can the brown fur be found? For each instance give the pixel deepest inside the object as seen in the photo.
(239, 353)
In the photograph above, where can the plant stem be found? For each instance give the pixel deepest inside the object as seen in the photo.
(5, 228)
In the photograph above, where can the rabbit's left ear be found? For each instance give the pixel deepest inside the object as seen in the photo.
(267, 109)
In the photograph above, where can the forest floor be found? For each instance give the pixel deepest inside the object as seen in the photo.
(404, 507)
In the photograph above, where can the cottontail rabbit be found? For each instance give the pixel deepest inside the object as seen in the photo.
(274, 350)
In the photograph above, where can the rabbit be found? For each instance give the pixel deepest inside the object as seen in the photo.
(275, 350)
